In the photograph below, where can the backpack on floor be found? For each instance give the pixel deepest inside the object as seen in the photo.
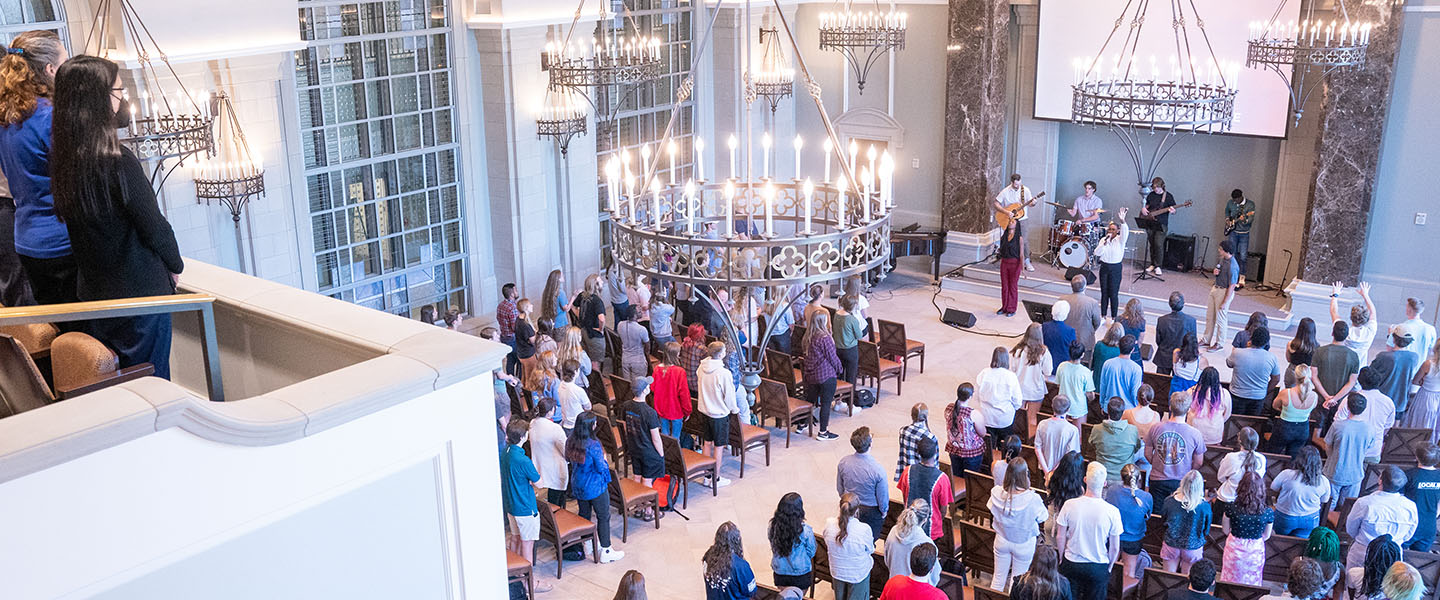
(864, 398)
(669, 491)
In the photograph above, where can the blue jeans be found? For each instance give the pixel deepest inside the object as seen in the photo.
(1241, 243)
(672, 427)
(1296, 526)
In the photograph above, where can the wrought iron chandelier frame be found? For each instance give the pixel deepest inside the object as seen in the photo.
(772, 91)
(863, 47)
(1295, 60)
(584, 76)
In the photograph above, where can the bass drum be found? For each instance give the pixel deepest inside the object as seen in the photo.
(1074, 253)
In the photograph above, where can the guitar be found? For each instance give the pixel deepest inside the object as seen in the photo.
(1151, 223)
(1016, 211)
(1231, 223)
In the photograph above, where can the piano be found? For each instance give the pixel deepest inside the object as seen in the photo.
(918, 241)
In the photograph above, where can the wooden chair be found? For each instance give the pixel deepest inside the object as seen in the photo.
(560, 528)
(1161, 385)
(1156, 583)
(621, 389)
(519, 569)
(1115, 586)
(977, 496)
(686, 465)
(1274, 464)
(612, 349)
(797, 341)
(1032, 460)
(745, 437)
(773, 402)
(781, 367)
(879, 574)
(597, 390)
(877, 369)
(1215, 544)
(765, 592)
(894, 345)
(820, 563)
(977, 548)
(980, 592)
(1399, 448)
(1428, 564)
(1235, 423)
(1086, 448)
(610, 437)
(1154, 535)
(1225, 590)
(518, 403)
(1210, 467)
(1279, 551)
(627, 496)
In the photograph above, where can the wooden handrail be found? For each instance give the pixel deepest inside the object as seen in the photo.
(134, 307)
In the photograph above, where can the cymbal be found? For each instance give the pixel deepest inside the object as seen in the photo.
(1059, 205)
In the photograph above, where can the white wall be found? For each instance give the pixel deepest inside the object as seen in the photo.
(124, 522)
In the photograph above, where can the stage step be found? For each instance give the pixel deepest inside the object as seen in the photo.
(985, 281)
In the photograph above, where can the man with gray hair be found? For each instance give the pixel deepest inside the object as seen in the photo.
(1058, 334)
(1084, 314)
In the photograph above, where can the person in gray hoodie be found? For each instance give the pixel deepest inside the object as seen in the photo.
(716, 388)
(912, 529)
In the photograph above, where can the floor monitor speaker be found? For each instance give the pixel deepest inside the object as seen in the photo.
(958, 318)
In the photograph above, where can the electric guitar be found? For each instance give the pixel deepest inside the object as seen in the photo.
(1016, 211)
(1231, 223)
(1151, 222)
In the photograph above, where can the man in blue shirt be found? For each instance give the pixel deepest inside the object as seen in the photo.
(1056, 333)
(1397, 366)
(517, 478)
(1255, 372)
(1121, 378)
(862, 475)
(1217, 311)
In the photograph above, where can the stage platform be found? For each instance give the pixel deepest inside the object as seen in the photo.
(1046, 284)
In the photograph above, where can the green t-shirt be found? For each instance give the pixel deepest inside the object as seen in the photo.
(1334, 364)
(847, 331)
(1074, 381)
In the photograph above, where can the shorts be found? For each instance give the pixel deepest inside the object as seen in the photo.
(1132, 548)
(528, 528)
(718, 430)
(648, 465)
(1168, 552)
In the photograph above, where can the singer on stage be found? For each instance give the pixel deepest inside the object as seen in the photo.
(1111, 253)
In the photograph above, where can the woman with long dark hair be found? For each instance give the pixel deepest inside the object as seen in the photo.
(820, 369)
(727, 573)
(1188, 364)
(1043, 580)
(554, 304)
(122, 244)
(965, 442)
(1133, 320)
(1249, 523)
(792, 544)
(632, 587)
(1379, 556)
(1301, 350)
(590, 483)
(1212, 406)
(1067, 481)
(1303, 489)
(1258, 320)
(31, 237)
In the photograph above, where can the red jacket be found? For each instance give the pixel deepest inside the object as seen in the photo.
(672, 392)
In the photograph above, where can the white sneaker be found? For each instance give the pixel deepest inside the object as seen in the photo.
(722, 482)
(609, 555)
(1158, 271)
(855, 411)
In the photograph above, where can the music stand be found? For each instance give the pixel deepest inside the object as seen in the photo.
(1151, 227)
(1038, 312)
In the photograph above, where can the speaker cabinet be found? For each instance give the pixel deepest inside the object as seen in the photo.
(1179, 253)
(958, 318)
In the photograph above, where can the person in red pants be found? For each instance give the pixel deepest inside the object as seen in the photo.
(1012, 254)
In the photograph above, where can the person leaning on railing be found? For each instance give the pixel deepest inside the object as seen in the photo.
(122, 244)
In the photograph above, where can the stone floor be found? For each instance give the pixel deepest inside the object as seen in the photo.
(670, 556)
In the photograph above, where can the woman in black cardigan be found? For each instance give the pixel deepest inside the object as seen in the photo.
(123, 245)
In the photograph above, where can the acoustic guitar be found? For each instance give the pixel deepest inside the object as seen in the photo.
(1016, 211)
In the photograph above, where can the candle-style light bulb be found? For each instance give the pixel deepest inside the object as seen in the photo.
(730, 208)
(765, 157)
(690, 204)
(672, 149)
(799, 143)
(809, 194)
(840, 185)
(700, 158)
(733, 144)
(829, 148)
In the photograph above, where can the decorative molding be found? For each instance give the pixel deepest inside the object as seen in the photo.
(870, 124)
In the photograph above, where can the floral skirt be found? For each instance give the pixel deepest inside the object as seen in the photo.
(1244, 561)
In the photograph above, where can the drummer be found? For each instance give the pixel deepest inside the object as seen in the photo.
(1087, 207)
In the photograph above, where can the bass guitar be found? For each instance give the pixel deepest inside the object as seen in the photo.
(1016, 211)
(1150, 223)
(1231, 223)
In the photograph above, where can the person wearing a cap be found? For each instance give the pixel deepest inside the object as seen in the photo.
(1056, 333)
(642, 428)
(1397, 366)
(1422, 332)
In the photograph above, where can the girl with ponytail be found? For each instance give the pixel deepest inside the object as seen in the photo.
(1291, 428)
(1135, 507)
(1236, 464)
(850, 544)
(34, 245)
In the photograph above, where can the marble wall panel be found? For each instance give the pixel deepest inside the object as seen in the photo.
(979, 38)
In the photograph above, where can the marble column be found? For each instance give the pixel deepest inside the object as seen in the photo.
(1352, 124)
(978, 46)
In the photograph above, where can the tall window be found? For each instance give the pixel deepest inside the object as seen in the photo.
(18, 16)
(381, 158)
(642, 114)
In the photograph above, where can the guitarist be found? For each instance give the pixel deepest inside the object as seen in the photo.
(1239, 216)
(1159, 203)
(1016, 193)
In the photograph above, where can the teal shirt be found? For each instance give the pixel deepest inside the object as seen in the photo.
(1234, 211)
(1103, 352)
(847, 331)
(517, 474)
(1074, 381)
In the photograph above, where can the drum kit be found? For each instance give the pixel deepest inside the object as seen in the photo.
(1072, 243)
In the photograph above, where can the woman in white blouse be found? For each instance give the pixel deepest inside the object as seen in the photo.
(1018, 512)
(1031, 362)
(1236, 464)
(997, 396)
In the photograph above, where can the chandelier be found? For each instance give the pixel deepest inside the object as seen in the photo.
(1309, 47)
(1192, 92)
(774, 80)
(234, 174)
(164, 124)
(562, 117)
(580, 69)
(754, 233)
(862, 37)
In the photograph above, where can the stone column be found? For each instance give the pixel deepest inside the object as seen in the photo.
(1352, 124)
(978, 48)
(1347, 156)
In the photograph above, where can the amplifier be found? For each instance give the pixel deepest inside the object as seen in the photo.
(1179, 253)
